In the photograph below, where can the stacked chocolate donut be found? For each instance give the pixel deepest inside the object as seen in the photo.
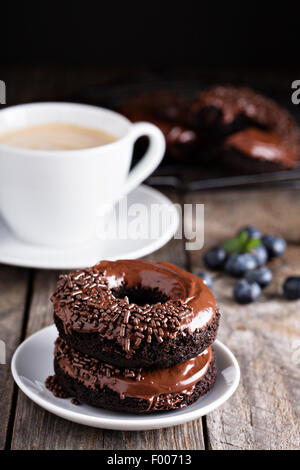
(134, 336)
(224, 125)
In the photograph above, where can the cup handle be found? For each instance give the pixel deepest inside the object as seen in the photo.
(152, 157)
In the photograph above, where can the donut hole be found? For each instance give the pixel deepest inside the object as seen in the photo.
(207, 117)
(140, 295)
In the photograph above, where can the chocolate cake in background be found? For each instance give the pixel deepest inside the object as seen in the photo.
(231, 126)
(134, 336)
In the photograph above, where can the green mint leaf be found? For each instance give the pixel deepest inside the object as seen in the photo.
(243, 238)
(241, 244)
(252, 244)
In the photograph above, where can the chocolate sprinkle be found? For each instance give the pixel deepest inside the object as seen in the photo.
(53, 386)
(74, 401)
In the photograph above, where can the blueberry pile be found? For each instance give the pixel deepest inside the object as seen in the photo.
(245, 257)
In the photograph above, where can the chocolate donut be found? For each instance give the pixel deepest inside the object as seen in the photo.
(255, 133)
(225, 125)
(134, 391)
(135, 314)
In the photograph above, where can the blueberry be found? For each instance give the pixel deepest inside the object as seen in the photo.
(206, 278)
(291, 288)
(260, 253)
(275, 245)
(262, 275)
(238, 265)
(253, 232)
(245, 292)
(215, 258)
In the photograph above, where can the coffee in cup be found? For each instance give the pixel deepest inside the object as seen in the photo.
(56, 136)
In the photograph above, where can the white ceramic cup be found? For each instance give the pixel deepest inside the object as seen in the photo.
(53, 197)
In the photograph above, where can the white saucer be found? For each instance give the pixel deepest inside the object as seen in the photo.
(32, 363)
(16, 252)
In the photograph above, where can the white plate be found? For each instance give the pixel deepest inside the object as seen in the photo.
(32, 363)
(16, 252)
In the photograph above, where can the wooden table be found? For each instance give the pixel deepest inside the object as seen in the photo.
(265, 336)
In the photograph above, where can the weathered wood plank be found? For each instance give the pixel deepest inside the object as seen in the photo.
(50, 432)
(265, 336)
(13, 291)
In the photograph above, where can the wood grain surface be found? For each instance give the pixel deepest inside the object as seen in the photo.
(14, 285)
(264, 412)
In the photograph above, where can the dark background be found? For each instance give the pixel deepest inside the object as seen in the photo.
(150, 33)
(103, 53)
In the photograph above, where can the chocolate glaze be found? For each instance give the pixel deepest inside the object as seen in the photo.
(172, 281)
(148, 385)
(262, 145)
(186, 292)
